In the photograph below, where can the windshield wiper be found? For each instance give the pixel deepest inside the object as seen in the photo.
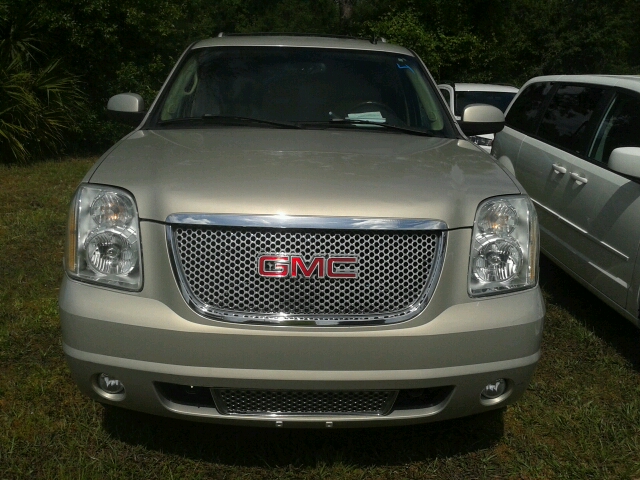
(238, 120)
(351, 121)
(227, 120)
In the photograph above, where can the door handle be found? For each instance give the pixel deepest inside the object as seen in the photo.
(579, 180)
(559, 169)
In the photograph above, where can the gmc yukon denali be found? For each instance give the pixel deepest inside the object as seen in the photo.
(299, 233)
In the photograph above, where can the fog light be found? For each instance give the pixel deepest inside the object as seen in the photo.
(494, 389)
(110, 384)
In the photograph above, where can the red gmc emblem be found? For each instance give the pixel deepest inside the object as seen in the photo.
(281, 266)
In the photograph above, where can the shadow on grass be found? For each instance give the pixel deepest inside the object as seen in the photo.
(266, 447)
(594, 314)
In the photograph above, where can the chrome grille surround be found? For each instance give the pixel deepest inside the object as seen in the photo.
(234, 292)
(303, 402)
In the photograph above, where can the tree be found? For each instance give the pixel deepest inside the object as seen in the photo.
(448, 55)
(131, 46)
(116, 46)
(539, 37)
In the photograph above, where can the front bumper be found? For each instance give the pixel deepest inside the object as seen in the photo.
(152, 339)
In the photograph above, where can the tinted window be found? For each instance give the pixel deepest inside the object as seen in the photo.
(566, 120)
(523, 113)
(447, 96)
(499, 100)
(620, 128)
(303, 85)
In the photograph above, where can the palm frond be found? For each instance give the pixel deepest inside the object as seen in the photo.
(37, 108)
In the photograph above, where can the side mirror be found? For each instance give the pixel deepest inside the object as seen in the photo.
(126, 108)
(626, 160)
(480, 119)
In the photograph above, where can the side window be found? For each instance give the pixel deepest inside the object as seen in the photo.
(620, 128)
(447, 93)
(566, 120)
(523, 113)
(447, 96)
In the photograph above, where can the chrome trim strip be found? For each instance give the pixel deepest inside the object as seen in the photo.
(319, 223)
(282, 319)
(582, 231)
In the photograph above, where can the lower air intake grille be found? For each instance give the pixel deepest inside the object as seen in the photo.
(303, 402)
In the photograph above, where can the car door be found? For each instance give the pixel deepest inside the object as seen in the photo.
(520, 122)
(614, 211)
(533, 164)
(584, 203)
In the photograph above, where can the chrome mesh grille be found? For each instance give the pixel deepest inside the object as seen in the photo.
(218, 267)
(303, 402)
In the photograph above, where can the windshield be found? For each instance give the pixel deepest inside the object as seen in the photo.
(500, 100)
(302, 86)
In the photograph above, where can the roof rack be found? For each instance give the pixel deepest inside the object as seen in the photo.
(453, 84)
(290, 34)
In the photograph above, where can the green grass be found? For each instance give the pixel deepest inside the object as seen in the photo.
(579, 419)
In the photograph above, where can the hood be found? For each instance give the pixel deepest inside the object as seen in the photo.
(335, 173)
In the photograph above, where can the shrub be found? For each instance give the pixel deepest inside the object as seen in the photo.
(38, 104)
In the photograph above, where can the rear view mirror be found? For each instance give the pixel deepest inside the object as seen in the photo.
(626, 160)
(126, 108)
(480, 119)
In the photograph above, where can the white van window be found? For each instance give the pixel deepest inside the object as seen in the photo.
(620, 128)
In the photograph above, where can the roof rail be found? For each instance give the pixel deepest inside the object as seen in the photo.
(375, 40)
(293, 34)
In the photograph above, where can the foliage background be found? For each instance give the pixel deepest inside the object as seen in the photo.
(104, 47)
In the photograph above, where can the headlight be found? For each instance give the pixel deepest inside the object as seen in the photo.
(504, 250)
(103, 238)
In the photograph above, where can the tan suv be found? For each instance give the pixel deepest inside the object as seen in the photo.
(298, 233)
